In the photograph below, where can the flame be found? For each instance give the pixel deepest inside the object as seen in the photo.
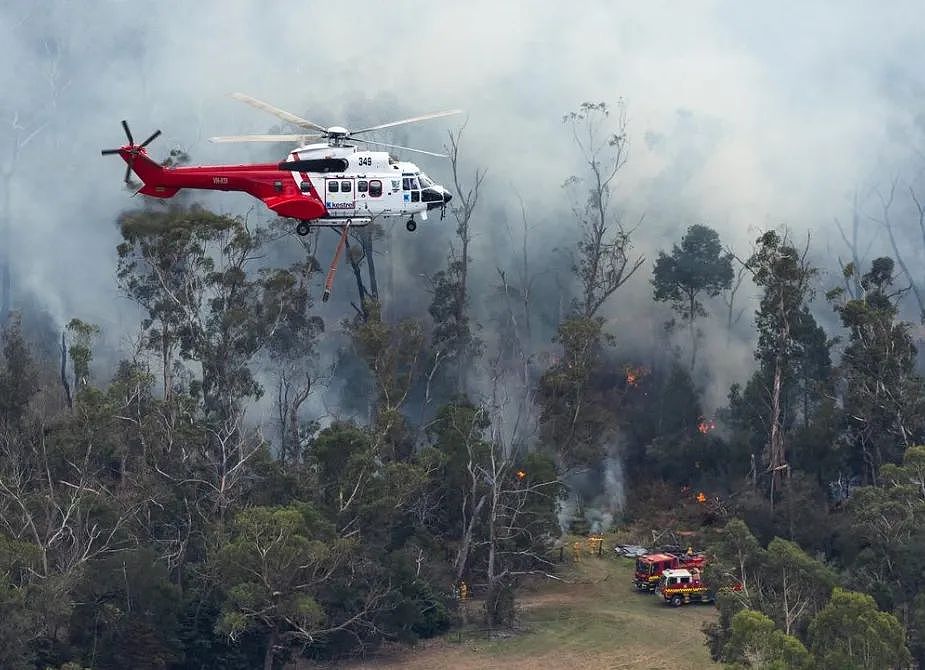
(706, 425)
(520, 474)
(634, 374)
(701, 498)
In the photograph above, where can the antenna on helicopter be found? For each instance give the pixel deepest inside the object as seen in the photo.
(336, 135)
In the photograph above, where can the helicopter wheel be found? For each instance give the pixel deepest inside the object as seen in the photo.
(411, 225)
(303, 228)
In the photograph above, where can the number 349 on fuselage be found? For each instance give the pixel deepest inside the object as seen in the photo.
(322, 184)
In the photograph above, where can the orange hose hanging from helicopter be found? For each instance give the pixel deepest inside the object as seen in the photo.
(329, 280)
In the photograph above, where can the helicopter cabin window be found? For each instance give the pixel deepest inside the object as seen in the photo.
(396, 185)
(362, 186)
(333, 186)
(345, 187)
(375, 188)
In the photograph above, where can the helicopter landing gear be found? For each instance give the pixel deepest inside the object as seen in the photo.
(411, 225)
(303, 228)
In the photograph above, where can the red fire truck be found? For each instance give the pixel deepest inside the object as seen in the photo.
(649, 568)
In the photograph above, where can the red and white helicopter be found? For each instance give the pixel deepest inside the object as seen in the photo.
(326, 184)
(331, 183)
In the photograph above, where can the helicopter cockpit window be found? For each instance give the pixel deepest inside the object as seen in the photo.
(333, 187)
(415, 184)
(425, 180)
(375, 188)
(346, 187)
(362, 186)
(406, 183)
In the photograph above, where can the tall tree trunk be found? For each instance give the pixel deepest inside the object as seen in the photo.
(693, 333)
(776, 442)
(64, 383)
(271, 650)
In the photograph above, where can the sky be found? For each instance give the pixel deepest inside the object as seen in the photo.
(742, 115)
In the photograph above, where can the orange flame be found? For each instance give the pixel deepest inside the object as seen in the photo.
(701, 498)
(521, 474)
(634, 374)
(706, 425)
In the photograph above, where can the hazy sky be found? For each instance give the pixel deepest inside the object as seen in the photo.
(742, 114)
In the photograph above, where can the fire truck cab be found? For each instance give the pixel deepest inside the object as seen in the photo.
(683, 586)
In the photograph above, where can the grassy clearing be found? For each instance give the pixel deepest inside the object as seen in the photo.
(596, 620)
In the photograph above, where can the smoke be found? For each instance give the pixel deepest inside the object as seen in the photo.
(725, 127)
(596, 494)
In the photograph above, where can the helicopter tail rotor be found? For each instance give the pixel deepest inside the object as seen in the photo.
(131, 150)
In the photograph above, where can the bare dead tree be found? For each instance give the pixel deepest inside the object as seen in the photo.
(603, 263)
(467, 198)
(729, 299)
(853, 242)
(55, 510)
(887, 200)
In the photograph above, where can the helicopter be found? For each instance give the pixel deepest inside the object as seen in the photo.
(331, 183)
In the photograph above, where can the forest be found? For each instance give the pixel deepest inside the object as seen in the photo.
(150, 520)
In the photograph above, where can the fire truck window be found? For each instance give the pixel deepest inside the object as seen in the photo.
(375, 188)
(362, 186)
(346, 187)
(685, 580)
(333, 187)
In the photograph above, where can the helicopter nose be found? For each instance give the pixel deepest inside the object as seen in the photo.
(447, 196)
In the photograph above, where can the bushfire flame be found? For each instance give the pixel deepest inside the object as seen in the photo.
(521, 474)
(706, 425)
(634, 374)
(701, 498)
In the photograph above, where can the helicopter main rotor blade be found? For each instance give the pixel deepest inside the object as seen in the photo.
(435, 115)
(276, 111)
(398, 146)
(128, 133)
(265, 138)
(148, 141)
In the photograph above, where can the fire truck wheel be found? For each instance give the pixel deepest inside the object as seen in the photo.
(303, 228)
(677, 601)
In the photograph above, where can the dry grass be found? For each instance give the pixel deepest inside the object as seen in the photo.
(596, 620)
